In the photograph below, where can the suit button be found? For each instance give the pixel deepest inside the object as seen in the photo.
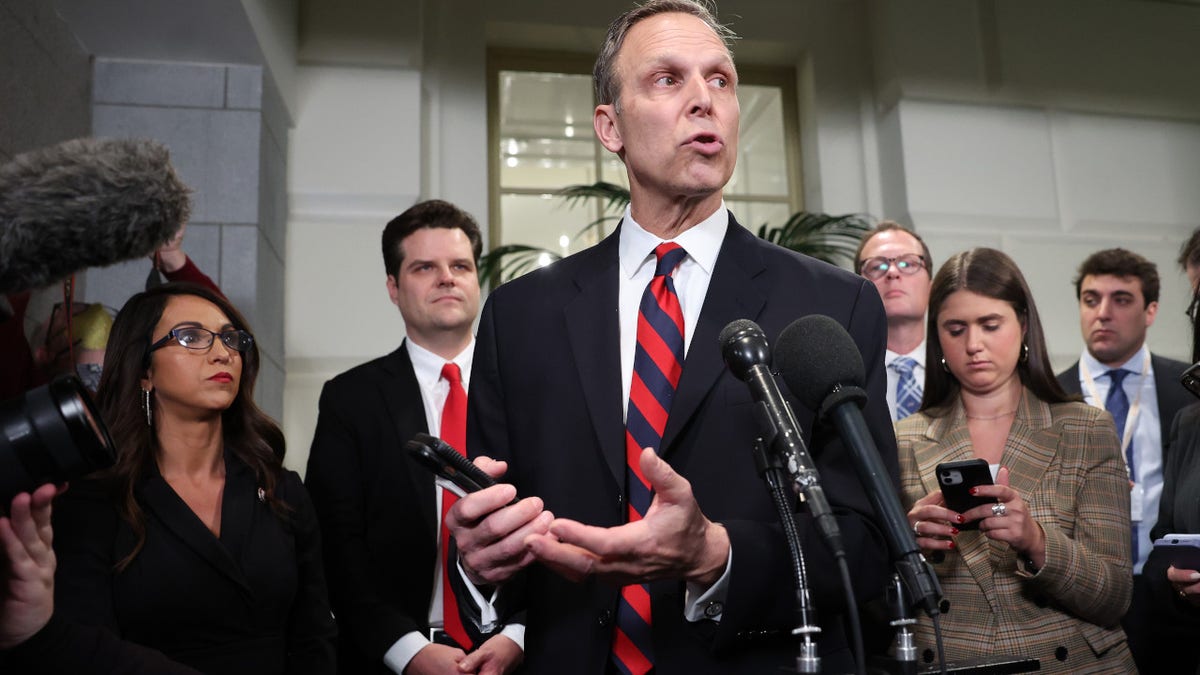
(1060, 653)
(944, 606)
(621, 504)
(927, 656)
(605, 618)
(937, 557)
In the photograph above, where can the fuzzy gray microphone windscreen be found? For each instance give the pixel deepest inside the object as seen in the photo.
(85, 203)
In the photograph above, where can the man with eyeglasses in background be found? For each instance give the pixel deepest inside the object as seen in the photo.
(897, 261)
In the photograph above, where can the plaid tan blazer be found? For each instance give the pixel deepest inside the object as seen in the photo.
(1065, 461)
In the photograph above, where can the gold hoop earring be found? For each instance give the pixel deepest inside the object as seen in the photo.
(1024, 352)
(147, 408)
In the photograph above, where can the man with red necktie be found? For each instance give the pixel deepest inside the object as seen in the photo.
(600, 382)
(385, 548)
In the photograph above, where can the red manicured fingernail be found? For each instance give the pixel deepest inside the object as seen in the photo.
(953, 531)
(960, 518)
(974, 490)
(951, 543)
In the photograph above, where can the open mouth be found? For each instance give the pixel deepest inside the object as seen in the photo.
(707, 144)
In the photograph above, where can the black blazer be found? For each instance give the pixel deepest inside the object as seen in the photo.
(1172, 397)
(546, 396)
(376, 506)
(251, 602)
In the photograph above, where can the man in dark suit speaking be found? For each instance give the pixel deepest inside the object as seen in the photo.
(380, 513)
(600, 382)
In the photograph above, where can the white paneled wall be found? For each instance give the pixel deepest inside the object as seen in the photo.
(355, 150)
(1050, 187)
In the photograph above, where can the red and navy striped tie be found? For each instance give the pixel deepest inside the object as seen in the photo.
(657, 364)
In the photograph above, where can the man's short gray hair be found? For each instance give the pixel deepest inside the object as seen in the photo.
(604, 74)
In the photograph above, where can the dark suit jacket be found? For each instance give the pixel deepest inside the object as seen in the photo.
(1176, 621)
(376, 507)
(546, 396)
(64, 646)
(1172, 397)
(250, 602)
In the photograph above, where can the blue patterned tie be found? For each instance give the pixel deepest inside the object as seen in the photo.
(657, 365)
(1117, 403)
(909, 390)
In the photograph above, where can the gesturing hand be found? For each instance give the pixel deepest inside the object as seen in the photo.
(27, 597)
(673, 541)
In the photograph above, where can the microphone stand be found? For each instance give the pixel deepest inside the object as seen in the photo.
(773, 472)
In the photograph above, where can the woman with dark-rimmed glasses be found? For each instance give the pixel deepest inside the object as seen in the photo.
(197, 543)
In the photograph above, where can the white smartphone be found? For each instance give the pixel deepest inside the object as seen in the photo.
(1182, 550)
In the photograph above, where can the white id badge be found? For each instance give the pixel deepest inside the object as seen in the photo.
(1137, 497)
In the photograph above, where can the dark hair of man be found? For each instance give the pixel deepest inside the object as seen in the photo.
(604, 73)
(992, 274)
(427, 214)
(247, 431)
(1189, 253)
(1119, 262)
(890, 225)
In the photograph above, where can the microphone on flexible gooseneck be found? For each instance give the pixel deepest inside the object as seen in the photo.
(824, 370)
(85, 203)
(747, 353)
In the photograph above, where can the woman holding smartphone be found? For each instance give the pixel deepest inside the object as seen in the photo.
(197, 543)
(1047, 572)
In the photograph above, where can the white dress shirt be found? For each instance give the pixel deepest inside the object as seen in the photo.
(636, 254)
(1146, 438)
(434, 390)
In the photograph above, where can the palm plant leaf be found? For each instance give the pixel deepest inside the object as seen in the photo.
(510, 261)
(833, 239)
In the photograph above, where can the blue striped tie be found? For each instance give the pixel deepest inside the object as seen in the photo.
(1117, 403)
(657, 365)
(909, 390)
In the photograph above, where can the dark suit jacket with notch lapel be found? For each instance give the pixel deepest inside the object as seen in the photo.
(252, 602)
(546, 396)
(376, 507)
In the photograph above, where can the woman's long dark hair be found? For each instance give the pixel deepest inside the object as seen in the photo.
(992, 274)
(247, 431)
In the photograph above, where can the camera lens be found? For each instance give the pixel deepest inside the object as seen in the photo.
(49, 435)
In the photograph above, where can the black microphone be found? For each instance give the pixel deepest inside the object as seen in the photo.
(746, 351)
(85, 203)
(824, 369)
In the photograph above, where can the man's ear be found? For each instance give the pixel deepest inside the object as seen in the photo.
(393, 290)
(604, 119)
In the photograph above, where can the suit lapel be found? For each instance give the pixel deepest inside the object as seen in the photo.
(160, 499)
(401, 395)
(948, 440)
(733, 293)
(1028, 452)
(594, 333)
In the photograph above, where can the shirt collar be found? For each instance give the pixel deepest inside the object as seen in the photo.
(917, 355)
(1133, 365)
(702, 242)
(428, 366)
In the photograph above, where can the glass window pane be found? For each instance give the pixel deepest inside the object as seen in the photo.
(548, 222)
(545, 128)
(762, 158)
